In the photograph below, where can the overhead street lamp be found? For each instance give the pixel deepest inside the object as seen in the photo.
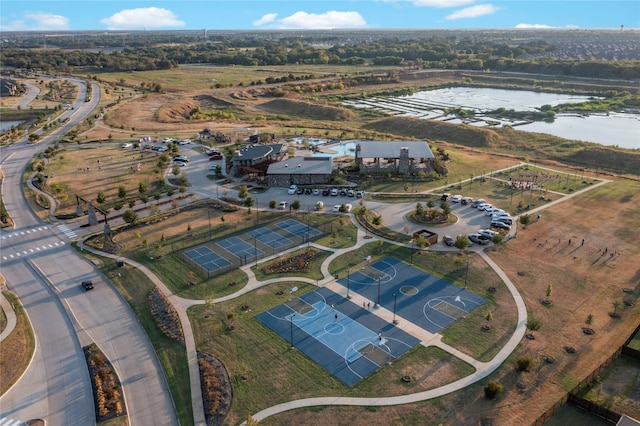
(291, 320)
(378, 302)
(348, 283)
(395, 321)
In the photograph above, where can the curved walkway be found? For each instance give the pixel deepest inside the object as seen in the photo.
(9, 313)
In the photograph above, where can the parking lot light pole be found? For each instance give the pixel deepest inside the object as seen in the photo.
(348, 283)
(378, 302)
(292, 330)
(411, 263)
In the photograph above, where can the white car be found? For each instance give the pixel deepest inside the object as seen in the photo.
(182, 158)
(487, 232)
(184, 142)
(282, 205)
(316, 191)
(213, 166)
(484, 206)
(126, 145)
(167, 140)
(179, 163)
(336, 208)
(348, 207)
(489, 211)
(334, 192)
(292, 189)
(456, 198)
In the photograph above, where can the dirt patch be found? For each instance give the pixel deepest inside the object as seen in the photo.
(306, 110)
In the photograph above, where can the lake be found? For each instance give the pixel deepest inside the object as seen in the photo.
(611, 129)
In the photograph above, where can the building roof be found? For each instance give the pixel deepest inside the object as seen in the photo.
(627, 421)
(251, 152)
(384, 149)
(302, 166)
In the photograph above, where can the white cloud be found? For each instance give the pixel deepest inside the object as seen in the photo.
(442, 3)
(313, 21)
(544, 26)
(266, 19)
(473, 12)
(38, 21)
(140, 18)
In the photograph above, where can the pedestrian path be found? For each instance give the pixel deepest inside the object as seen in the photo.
(9, 313)
(67, 231)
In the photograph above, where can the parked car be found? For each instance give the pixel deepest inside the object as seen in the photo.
(184, 142)
(182, 158)
(501, 225)
(126, 145)
(489, 211)
(476, 203)
(179, 163)
(359, 194)
(211, 151)
(88, 285)
(479, 239)
(336, 208)
(300, 191)
(292, 189)
(334, 192)
(503, 219)
(215, 157)
(316, 191)
(466, 200)
(445, 197)
(487, 232)
(325, 192)
(456, 198)
(484, 206)
(343, 192)
(307, 191)
(213, 167)
(448, 240)
(282, 205)
(351, 193)
(348, 208)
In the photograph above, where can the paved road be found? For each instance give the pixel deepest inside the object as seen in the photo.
(44, 271)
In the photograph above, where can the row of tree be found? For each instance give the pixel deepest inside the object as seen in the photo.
(434, 52)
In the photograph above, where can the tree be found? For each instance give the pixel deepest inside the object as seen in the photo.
(129, 216)
(122, 192)
(488, 317)
(222, 219)
(461, 242)
(249, 202)
(377, 220)
(524, 363)
(430, 203)
(589, 321)
(533, 324)
(525, 219)
(492, 390)
(616, 305)
(273, 204)
(296, 205)
(419, 210)
(142, 187)
(101, 198)
(497, 238)
(446, 208)
(243, 192)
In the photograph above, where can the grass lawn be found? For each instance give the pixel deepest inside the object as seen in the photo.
(135, 288)
(16, 349)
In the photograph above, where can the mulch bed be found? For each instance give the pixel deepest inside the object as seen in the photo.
(298, 263)
(109, 401)
(165, 315)
(217, 394)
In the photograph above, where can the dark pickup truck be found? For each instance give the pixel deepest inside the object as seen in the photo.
(88, 285)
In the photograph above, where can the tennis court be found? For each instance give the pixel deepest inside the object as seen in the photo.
(348, 341)
(207, 258)
(416, 296)
(269, 238)
(298, 229)
(239, 247)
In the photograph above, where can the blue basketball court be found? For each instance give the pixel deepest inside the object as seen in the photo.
(298, 229)
(269, 238)
(346, 340)
(239, 247)
(427, 301)
(207, 259)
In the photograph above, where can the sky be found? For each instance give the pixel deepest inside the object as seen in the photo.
(77, 15)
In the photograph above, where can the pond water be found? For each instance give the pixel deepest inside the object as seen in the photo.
(612, 129)
(6, 125)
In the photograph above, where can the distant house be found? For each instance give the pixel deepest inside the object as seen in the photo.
(250, 157)
(217, 137)
(262, 138)
(393, 157)
(300, 171)
(8, 87)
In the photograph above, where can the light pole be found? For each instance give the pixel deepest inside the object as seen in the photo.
(292, 330)
(395, 321)
(209, 214)
(255, 249)
(348, 283)
(465, 275)
(411, 263)
(378, 302)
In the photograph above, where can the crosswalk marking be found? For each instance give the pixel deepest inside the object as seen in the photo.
(26, 253)
(4, 421)
(67, 231)
(18, 233)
